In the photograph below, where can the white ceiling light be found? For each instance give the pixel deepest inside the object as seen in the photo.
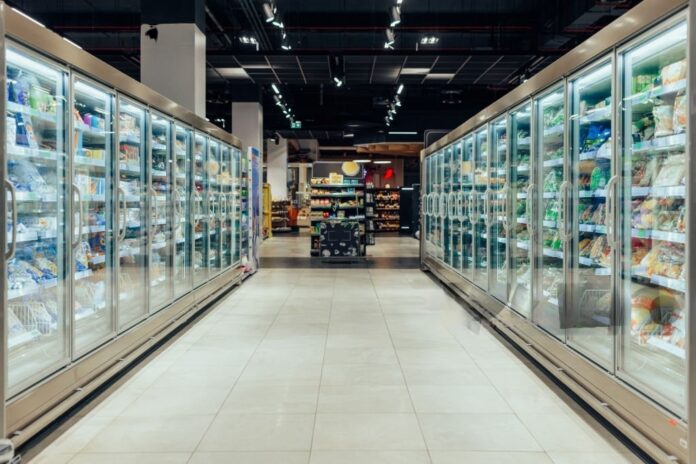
(382, 162)
(268, 12)
(391, 37)
(394, 16)
(415, 71)
(275, 89)
(429, 40)
(403, 133)
(362, 161)
(399, 2)
(400, 89)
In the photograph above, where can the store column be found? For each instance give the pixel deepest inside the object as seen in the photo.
(247, 123)
(172, 50)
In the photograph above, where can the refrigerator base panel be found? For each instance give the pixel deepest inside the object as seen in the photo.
(653, 429)
(32, 411)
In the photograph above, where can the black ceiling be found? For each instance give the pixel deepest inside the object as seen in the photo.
(484, 48)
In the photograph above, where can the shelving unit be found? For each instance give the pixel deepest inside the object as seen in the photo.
(385, 212)
(337, 205)
(279, 216)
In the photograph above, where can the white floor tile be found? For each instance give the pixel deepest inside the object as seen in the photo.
(250, 457)
(131, 458)
(259, 432)
(478, 457)
(367, 432)
(271, 399)
(457, 399)
(369, 457)
(364, 399)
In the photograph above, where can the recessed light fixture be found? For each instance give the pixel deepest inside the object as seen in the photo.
(403, 133)
(399, 2)
(382, 162)
(429, 40)
(248, 40)
(275, 89)
(400, 89)
(348, 135)
(362, 161)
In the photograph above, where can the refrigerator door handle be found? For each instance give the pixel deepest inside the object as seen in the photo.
(76, 190)
(486, 206)
(611, 207)
(530, 205)
(153, 205)
(177, 209)
(121, 207)
(562, 192)
(9, 254)
(503, 193)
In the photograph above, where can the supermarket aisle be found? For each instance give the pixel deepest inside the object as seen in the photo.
(297, 246)
(335, 366)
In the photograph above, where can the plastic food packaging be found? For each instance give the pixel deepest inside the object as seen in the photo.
(664, 116)
(680, 112)
(673, 72)
(672, 172)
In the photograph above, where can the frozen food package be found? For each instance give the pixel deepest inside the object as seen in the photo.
(672, 172)
(679, 114)
(674, 72)
(650, 173)
(664, 115)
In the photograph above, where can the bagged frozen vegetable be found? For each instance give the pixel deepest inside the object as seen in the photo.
(664, 115)
(679, 114)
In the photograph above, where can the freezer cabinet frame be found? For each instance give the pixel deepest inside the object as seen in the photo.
(662, 434)
(28, 412)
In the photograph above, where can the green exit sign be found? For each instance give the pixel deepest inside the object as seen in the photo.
(296, 125)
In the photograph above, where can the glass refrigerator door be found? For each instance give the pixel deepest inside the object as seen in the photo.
(427, 206)
(182, 213)
(237, 204)
(480, 208)
(446, 216)
(92, 138)
(132, 231)
(521, 193)
(437, 190)
(37, 279)
(226, 193)
(653, 230)
(214, 202)
(468, 220)
(553, 194)
(200, 208)
(455, 205)
(590, 317)
(161, 228)
(498, 189)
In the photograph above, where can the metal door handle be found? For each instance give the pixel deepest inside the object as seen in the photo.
(486, 207)
(121, 207)
(530, 205)
(76, 190)
(563, 194)
(610, 211)
(9, 254)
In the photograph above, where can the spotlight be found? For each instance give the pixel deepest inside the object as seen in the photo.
(429, 40)
(388, 46)
(400, 89)
(337, 71)
(398, 101)
(285, 45)
(269, 12)
(275, 89)
(399, 2)
(278, 21)
(394, 16)
(277, 100)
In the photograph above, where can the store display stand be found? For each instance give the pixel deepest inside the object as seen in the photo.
(279, 216)
(337, 216)
(386, 209)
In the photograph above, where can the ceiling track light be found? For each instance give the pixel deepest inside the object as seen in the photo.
(269, 12)
(400, 89)
(275, 89)
(394, 16)
(391, 37)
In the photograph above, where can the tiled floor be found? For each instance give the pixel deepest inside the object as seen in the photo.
(336, 366)
(297, 246)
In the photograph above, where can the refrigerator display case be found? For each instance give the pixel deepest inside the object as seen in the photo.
(236, 206)
(653, 231)
(132, 221)
(37, 206)
(497, 197)
(98, 214)
(455, 206)
(199, 201)
(579, 214)
(521, 193)
(551, 221)
(213, 168)
(183, 272)
(465, 202)
(93, 143)
(161, 228)
(481, 208)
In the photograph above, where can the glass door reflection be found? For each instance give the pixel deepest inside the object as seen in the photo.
(200, 209)
(183, 272)
(480, 208)
(498, 190)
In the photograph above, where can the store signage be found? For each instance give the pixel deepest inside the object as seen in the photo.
(296, 125)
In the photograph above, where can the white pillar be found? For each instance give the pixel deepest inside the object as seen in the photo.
(174, 64)
(247, 123)
(277, 168)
